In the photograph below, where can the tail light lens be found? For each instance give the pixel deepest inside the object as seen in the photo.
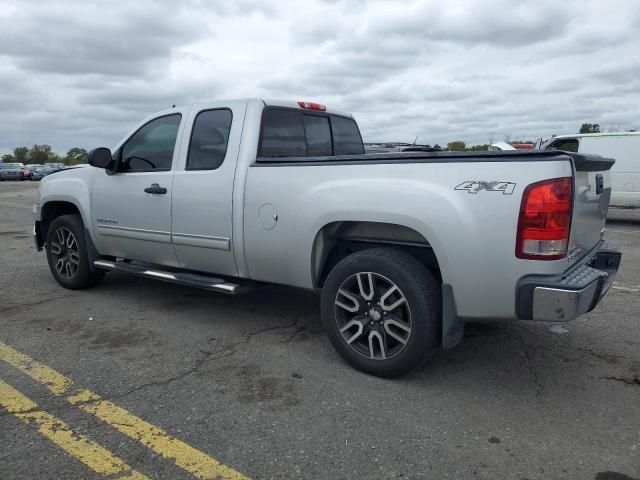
(545, 220)
(313, 106)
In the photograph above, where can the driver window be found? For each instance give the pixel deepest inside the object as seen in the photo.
(151, 148)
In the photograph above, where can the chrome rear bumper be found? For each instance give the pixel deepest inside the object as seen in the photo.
(577, 291)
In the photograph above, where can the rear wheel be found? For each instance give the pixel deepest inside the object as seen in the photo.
(67, 253)
(382, 311)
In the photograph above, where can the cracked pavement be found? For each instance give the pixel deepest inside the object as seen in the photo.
(253, 381)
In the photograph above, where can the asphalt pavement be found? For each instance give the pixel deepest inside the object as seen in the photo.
(142, 379)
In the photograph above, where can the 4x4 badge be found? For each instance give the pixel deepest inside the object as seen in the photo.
(474, 186)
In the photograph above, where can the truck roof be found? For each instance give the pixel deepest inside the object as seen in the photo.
(267, 102)
(604, 134)
(295, 104)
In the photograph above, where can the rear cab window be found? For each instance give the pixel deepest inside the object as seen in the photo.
(287, 132)
(346, 137)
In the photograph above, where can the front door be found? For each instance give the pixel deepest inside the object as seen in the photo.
(132, 207)
(203, 190)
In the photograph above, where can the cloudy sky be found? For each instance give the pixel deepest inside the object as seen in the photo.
(83, 73)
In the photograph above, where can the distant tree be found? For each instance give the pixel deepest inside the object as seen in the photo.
(8, 158)
(41, 154)
(478, 148)
(21, 154)
(457, 146)
(507, 138)
(437, 147)
(590, 128)
(76, 155)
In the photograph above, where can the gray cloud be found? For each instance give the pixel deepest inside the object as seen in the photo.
(119, 39)
(84, 73)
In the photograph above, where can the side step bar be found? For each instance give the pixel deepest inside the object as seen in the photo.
(189, 279)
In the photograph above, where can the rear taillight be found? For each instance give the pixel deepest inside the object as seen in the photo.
(545, 220)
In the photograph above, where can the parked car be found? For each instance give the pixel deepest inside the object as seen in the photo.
(11, 171)
(27, 170)
(55, 167)
(624, 146)
(39, 172)
(403, 246)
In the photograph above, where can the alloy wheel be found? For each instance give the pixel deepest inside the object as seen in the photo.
(373, 315)
(65, 252)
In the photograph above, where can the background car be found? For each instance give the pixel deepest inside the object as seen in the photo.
(54, 167)
(28, 169)
(11, 171)
(39, 172)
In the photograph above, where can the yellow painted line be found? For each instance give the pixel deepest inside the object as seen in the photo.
(625, 289)
(56, 382)
(622, 231)
(188, 458)
(94, 456)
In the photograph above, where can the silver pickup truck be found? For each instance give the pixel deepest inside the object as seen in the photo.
(404, 247)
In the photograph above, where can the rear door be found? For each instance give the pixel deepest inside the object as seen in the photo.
(132, 207)
(203, 189)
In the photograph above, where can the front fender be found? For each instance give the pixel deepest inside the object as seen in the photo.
(71, 186)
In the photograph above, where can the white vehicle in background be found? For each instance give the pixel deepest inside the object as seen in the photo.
(623, 146)
(499, 146)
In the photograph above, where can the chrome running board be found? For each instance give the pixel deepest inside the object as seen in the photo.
(206, 282)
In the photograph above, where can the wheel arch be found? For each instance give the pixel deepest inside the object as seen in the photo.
(53, 209)
(337, 239)
(49, 211)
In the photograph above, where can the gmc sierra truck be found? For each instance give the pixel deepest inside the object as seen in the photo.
(404, 247)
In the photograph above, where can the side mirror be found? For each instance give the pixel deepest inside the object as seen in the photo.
(101, 158)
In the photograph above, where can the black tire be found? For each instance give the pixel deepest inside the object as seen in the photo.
(422, 296)
(79, 274)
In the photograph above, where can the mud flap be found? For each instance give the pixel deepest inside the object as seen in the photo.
(92, 253)
(452, 325)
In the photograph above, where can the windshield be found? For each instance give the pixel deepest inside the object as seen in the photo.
(8, 166)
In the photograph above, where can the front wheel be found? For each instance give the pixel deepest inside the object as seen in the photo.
(67, 253)
(382, 311)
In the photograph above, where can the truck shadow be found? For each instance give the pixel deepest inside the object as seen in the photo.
(506, 356)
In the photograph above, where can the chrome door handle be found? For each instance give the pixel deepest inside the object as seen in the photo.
(155, 188)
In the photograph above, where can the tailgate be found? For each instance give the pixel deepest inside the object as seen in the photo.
(592, 193)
